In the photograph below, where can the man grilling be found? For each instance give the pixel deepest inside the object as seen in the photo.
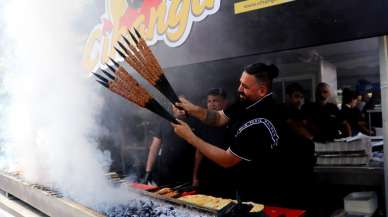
(256, 134)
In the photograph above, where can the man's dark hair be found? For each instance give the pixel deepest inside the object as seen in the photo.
(294, 87)
(348, 96)
(217, 92)
(263, 73)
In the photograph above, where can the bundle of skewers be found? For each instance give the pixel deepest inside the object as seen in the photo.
(140, 57)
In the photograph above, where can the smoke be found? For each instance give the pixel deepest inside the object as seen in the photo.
(49, 105)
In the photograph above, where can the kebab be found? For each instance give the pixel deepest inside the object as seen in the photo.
(123, 84)
(140, 57)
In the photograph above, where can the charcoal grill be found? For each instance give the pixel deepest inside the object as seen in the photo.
(52, 203)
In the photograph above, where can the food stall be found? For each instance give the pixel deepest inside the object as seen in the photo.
(210, 40)
(214, 43)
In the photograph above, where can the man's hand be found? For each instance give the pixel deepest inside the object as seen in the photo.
(193, 110)
(209, 117)
(195, 183)
(183, 130)
(189, 107)
(147, 178)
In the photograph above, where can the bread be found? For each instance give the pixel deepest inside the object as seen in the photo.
(216, 202)
(206, 201)
(171, 194)
(164, 191)
(256, 207)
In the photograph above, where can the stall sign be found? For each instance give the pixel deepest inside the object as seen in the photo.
(169, 21)
(251, 5)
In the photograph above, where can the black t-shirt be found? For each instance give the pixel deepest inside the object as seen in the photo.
(352, 116)
(256, 139)
(276, 164)
(176, 156)
(253, 129)
(323, 120)
(293, 113)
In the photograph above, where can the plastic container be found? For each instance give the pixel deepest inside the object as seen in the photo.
(361, 203)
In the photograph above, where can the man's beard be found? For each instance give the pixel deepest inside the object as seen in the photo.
(323, 99)
(241, 96)
(243, 99)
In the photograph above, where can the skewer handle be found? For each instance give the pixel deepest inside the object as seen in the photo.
(155, 107)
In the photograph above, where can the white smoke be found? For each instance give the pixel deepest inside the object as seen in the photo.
(49, 106)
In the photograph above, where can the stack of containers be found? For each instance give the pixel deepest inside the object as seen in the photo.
(348, 151)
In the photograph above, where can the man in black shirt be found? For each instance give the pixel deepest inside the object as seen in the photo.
(350, 113)
(256, 128)
(322, 116)
(294, 116)
(294, 100)
(173, 156)
(300, 148)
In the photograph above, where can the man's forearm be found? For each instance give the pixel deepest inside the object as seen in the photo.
(209, 117)
(299, 128)
(197, 163)
(347, 129)
(214, 153)
(218, 155)
(150, 160)
(198, 112)
(153, 152)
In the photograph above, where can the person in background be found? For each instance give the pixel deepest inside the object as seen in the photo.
(363, 98)
(209, 177)
(300, 148)
(351, 114)
(374, 100)
(294, 116)
(322, 117)
(375, 118)
(173, 156)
